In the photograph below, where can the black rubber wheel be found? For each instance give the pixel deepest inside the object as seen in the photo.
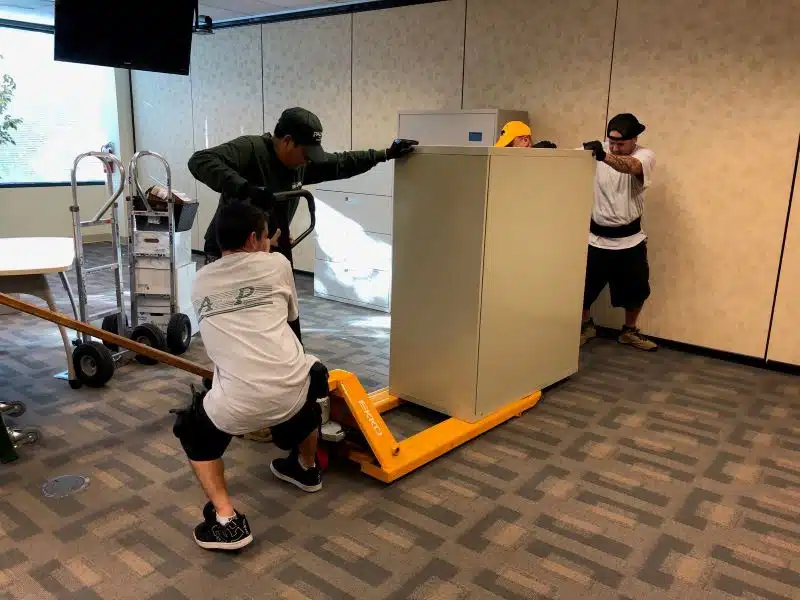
(14, 409)
(179, 333)
(94, 364)
(75, 384)
(110, 325)
(149, 335)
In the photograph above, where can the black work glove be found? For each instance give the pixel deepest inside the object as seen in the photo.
(259, 197)
(597, 149)
(545, 144)
(400, 147)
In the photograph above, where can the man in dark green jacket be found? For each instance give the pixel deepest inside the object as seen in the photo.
(255, 167)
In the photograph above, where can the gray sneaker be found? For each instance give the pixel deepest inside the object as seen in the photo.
(632, 337)
(588, 331)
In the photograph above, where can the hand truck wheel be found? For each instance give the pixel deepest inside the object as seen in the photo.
(179, 333)
(110, 325)
(149, 335)
(94, 364)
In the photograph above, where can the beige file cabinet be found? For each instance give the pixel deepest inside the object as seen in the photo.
(475, 127)
(487, 274)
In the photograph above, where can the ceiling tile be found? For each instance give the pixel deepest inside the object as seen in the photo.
(219, 14)
(245, 7)
(41, 11)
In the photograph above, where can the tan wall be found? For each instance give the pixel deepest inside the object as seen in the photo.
(324, 61)
(44, 211)
(404, 58)
(549, 57)
(716, 83)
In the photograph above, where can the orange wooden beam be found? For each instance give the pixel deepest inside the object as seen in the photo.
(106, 336)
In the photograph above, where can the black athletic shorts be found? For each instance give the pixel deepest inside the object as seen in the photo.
(626, 272)
(202, 441)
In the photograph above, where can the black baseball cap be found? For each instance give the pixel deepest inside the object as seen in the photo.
(305, 129)
(627, 125)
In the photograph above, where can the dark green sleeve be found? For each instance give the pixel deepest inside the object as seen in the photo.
(342, 165)
(220, 167)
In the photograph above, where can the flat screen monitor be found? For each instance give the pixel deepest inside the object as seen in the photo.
(146, 35)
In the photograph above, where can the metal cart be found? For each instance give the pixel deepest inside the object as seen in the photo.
(174, 334)
(94, 362)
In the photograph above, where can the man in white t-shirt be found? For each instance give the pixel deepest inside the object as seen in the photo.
(246, 303)
(617, 245)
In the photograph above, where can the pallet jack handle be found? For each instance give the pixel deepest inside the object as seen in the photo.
(106, 336)
(289, 196)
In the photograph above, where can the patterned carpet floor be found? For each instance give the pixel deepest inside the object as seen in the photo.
(644, 476)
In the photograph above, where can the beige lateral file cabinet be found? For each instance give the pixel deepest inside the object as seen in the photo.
(476, 127)
(488, 272)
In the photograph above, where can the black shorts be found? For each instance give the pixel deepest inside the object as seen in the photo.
(626, 272)
(202, 441)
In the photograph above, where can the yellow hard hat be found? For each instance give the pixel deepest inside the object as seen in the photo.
(511, 130)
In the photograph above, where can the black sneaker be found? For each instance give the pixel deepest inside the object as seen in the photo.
(231, 536)
(288, 469)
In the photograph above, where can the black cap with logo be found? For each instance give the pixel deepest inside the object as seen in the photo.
(626, 124)
(305, 128)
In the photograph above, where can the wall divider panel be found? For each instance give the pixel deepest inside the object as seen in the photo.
(404, 58)
(316, 75)
(784, 338)
(226, 96)
(716, 84)
(549, 57)
(162, 117)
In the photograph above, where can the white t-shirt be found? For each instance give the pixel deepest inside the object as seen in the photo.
(244, 302)
(619, 199)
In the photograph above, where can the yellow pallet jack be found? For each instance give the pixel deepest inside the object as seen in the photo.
(377, 451)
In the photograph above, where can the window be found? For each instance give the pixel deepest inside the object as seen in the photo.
(66, 109)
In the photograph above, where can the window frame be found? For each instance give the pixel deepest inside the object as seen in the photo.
(50, 29)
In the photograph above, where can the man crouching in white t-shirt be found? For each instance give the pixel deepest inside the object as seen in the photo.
(246, 303)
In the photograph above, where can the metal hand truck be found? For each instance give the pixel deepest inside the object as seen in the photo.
(173, 332)
(94, 362)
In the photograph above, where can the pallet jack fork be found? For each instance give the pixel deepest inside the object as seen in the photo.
(383, 457)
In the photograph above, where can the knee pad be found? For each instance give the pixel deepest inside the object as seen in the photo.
(318, 380)
(186, 417)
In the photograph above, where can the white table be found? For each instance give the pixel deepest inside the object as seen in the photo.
(24, 266)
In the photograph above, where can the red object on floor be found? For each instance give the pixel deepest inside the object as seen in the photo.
(322, 459)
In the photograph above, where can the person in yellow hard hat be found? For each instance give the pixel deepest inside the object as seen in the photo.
(516, 134)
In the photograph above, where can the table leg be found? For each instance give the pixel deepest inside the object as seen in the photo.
(68, 288)
(51, 304)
